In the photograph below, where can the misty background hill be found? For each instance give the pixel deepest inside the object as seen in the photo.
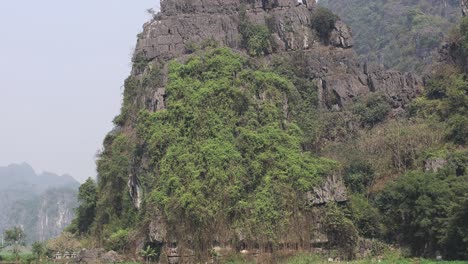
(42, 204)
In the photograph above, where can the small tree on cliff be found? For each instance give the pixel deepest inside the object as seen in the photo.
(323, 21)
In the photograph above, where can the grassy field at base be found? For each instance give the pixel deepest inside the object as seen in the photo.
(308, 259)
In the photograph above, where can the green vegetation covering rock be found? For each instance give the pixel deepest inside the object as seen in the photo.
(223, 156)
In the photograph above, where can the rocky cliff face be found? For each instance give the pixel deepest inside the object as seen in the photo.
(335, 67)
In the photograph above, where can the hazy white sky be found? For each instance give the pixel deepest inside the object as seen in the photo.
(62, 66)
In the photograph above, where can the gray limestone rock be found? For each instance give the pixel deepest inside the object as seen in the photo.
(464, 6)
(111, 257)
(182, 22)
(341, 36)
(90, 255)
(157, 229)
(336, 68)
(434, 164)
(332, 190)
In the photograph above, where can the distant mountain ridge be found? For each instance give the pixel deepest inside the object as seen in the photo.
(43, 204)
(401, 35)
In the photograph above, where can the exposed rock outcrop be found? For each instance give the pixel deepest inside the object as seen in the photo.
(464, 6)
(182, 23)
(434, 164)
(90, 255)
(98, 255)
(341, 36)
(332, 190)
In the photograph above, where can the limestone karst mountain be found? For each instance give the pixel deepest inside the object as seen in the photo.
(43, 205)
(251, 126)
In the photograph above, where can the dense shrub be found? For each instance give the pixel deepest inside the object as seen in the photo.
(323, 21)
(255, 38)
(118, 241)
(464, 35)
(417, 206)
(359, 176)
(458, 129)
(224, 152)
(366, 217)
(341, 231)
(373, 109)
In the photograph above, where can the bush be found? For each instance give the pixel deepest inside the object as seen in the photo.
(341, 231)
(255, 38)
(323, 21)
(373, 109)
(118, 241)
(458, 129)
(365, 216)
(418, 206)
(359, 176)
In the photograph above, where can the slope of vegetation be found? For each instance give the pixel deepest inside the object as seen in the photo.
(402, 35)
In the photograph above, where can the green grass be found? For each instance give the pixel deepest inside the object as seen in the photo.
(391, 259)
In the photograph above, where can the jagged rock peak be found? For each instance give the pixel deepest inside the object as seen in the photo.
(171, 7)
(184, 22)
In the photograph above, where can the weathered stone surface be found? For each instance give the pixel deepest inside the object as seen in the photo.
(341, 36)
(182, 21)
(400, 87)
(332, 190)
(464, 6)
(98, 255)
(90, 255)
(111, 257)
(434, 164)
(157, 229)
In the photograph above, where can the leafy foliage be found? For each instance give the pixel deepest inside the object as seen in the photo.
(148, 253)
(85, 213)
(223, 151)
(38, 249)
(323, 21)
(446, 100)
(341, 230)
(65, 242)
(416, 208)
(14, 236)
(118, 241)
(373, 109)
(255, 38)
